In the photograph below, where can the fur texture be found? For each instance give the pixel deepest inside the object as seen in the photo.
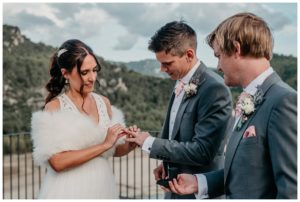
(117, 116)
(64, 131)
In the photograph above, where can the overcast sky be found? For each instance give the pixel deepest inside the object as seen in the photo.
(121, 31)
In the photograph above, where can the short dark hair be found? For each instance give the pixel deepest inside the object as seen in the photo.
(174, 37)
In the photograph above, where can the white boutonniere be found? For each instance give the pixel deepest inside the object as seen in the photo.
(190, 89)
(244, 108)
(246, 105)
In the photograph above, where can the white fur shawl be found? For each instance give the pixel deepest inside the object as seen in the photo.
(54, 132)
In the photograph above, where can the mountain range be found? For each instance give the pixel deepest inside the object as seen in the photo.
(137, 88)
(147, 67)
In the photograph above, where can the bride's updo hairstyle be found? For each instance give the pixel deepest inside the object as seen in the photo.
(69, 55)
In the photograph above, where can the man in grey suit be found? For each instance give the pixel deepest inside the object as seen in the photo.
(261, 156)
(198, 113)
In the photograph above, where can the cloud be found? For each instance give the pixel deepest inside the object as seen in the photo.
(114, 28)
(126, 42)
(144, 19)
(29, 21)
(12, 10)
(65, 10)
(88, 22)
(141, 18)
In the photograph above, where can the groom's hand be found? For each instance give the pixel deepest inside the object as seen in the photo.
(137, 137)
(184, 184)
(159, 172)
(134, 128)
(132, 145)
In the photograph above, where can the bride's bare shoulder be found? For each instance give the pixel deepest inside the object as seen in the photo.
(106, 100)
(108, 105)
(53, 105)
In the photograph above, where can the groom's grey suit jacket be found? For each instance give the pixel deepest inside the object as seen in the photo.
(199, 128)
(264, 166)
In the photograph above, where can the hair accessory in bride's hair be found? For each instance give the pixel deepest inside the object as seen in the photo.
(61, 51)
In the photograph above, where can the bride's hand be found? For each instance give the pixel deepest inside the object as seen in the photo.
(113, 134)
(132, 145)
(133, 128)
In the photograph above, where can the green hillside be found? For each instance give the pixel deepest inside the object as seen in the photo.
(143, 99)
(26, 73)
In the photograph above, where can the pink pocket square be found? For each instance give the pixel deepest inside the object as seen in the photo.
(250, 132)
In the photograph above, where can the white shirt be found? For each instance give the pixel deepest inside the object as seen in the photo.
(251, 89)
(174, 109)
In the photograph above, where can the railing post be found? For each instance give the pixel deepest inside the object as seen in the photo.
(25, 168)
(18, 166)
(127, 173)
(134, 173)
(156, 184)
(14, 162)
(40, 177)
(149, 173)
(3, 176)
(141, 174)
(32, 177)
(10, 163)
(120, 185)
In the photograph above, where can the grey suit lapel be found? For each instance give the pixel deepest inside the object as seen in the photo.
(233, 143)
(237, 135)
(272, 79)
(198, 77)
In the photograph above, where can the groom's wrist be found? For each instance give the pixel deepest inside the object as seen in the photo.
(195, 185)
(147, 144)
(202, 189)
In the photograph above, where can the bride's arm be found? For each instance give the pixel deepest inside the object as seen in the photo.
(69, 159)
(121, 149)
(124, 149)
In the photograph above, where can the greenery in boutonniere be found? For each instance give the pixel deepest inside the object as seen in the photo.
(247, 104)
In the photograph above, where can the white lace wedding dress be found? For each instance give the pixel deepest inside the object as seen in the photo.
(91, 180)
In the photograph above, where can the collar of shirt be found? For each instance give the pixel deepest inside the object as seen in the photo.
(189, 75)
(252, 87)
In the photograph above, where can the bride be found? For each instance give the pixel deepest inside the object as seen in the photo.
(77, 131)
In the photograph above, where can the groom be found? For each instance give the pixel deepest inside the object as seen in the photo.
(261, 156)
(199, 110)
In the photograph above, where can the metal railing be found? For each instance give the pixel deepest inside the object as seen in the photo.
(22, 178)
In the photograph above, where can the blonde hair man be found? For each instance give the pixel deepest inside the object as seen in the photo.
(261, 156)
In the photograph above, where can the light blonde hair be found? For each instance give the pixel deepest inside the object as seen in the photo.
(249, 30)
